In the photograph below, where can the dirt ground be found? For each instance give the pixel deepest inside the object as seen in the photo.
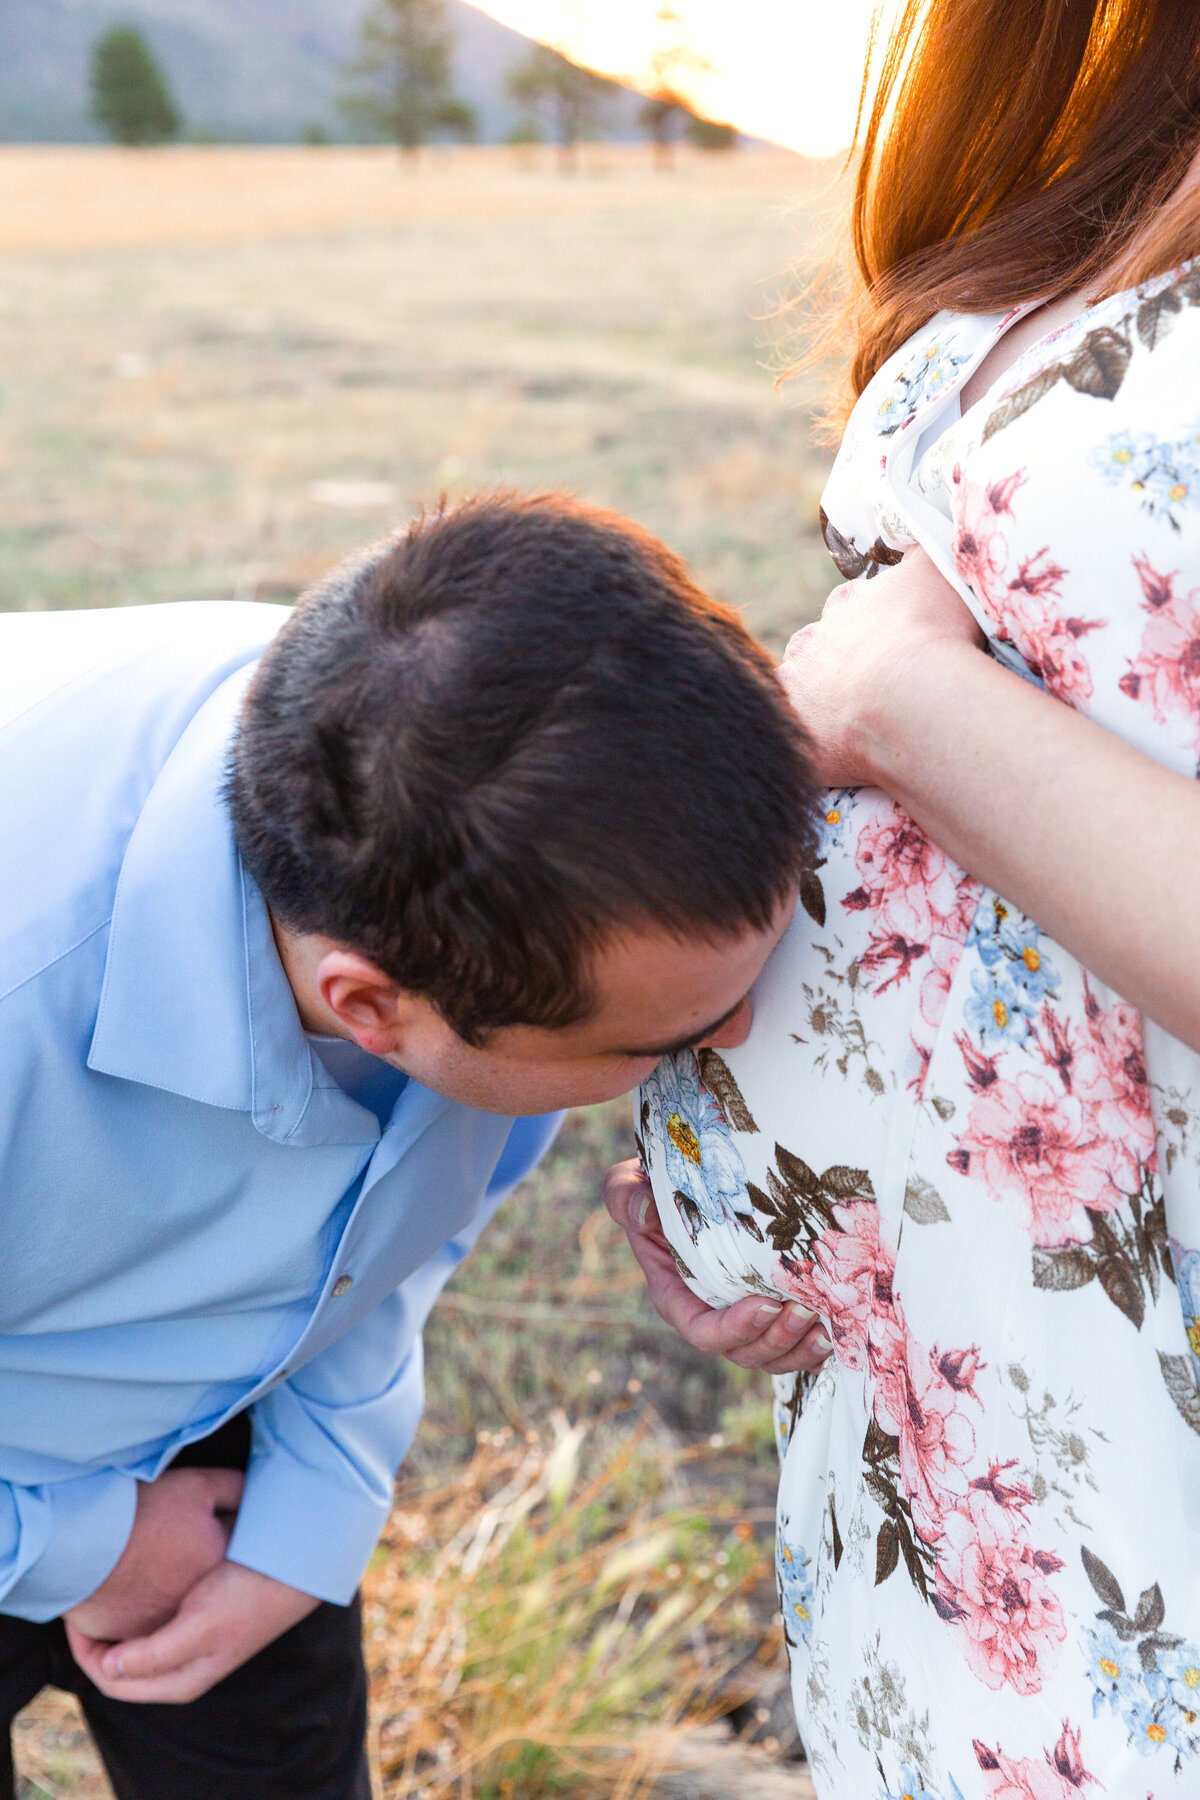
(223, 369)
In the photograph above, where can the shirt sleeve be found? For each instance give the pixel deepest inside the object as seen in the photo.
(60, 1540)
(328, 1441)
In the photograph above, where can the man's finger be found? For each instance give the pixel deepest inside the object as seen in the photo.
(759, 1332)
(187, 1682)
(182, 1640)
(809, 1355)
(630, 1198)
(756, 1333)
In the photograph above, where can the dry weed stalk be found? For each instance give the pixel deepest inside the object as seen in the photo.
(550, 1617)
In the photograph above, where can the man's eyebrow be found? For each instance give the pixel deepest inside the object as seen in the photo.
(690, 1041)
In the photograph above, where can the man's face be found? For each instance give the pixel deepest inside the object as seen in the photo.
(657, 994)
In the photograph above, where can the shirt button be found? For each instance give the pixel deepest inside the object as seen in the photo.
(342, 1285)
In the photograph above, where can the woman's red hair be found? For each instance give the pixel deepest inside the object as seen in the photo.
(1020, 149)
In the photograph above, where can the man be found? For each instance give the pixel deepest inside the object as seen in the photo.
(308, 922)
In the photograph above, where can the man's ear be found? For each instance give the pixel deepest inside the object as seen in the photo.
(375, 1010)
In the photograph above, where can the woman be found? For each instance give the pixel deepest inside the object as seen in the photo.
(964, 1129)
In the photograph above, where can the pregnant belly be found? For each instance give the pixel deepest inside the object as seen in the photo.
(784, 1155)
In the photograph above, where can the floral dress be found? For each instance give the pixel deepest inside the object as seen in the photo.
(979, 1165)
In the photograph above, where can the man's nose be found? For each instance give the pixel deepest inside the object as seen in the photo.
(733, 1032)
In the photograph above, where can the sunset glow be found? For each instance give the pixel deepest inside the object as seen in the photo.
(787, 70)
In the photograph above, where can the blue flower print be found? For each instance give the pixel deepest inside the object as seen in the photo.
(923, 377)
(1020, 941)
(1187, 1278)
(998, 1010)
(1164, 476)
(984, 935)
(1114, 1668)
(795, 1591)
(1016, 976)
(1178, 1677)
(1154, 1727)
(909, 1786)
(702, 1161)
(832, 823)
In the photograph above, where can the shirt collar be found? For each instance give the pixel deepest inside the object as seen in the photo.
(195, 1000)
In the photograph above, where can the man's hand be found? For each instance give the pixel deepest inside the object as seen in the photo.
(231, 1613)
(180, 1531)
(755, 1333)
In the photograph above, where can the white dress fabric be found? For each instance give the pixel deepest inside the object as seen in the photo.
(979, 1165)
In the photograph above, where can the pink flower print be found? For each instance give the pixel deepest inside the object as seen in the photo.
(1058, 1042)
(1110, 1076)
(1165, 674)
(1026, 615)
(997, 1590)
(916, 1403)
(890, 950)
(999, 1484)
(1051, 644)
(978, 546)
(1038, 578)
(1058, 1777)
(905, 877)
(959, 1368)
(945, 949)
(1022, 608)
(982, 1070)
(1042, 1148)
(848, 1280)
(1066, 1759)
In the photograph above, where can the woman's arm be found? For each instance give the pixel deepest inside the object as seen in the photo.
(1098, 843)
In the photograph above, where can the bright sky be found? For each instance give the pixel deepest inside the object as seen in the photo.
(788, 70)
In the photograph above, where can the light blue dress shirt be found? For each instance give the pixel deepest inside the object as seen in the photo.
(195, 1215)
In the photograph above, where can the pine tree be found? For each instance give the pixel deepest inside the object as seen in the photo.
(550, 86)
(400, 83)
(130, 96)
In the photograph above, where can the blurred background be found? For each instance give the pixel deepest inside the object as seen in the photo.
(275, 272)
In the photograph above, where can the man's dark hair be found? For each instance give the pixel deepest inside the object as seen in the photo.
(494, 739)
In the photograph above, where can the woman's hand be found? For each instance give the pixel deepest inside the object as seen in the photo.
(1084, 833)
(756, 1333)
(838, 671)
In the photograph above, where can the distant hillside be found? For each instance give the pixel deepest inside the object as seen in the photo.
(245, 69)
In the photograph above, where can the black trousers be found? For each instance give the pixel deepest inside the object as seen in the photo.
(289, 1724)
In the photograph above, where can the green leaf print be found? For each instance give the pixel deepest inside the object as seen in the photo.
(887, 1551)
(1058, 1271)
(923, 1204)
(1151, 1610)
(812, 896)
(797, 1174)
(1098, 366)
(719, 1079)
(1105, 1583)
(1155, 316)
(1128, 1254)
(1179, 1374)
(842, 1183)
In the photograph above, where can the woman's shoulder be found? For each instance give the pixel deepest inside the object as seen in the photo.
(1136, 353)
(910, 390)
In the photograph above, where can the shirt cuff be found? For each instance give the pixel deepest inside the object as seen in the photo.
(86, 1523)
(303, 1528)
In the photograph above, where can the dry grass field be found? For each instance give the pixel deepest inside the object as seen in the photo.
(221, 370)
